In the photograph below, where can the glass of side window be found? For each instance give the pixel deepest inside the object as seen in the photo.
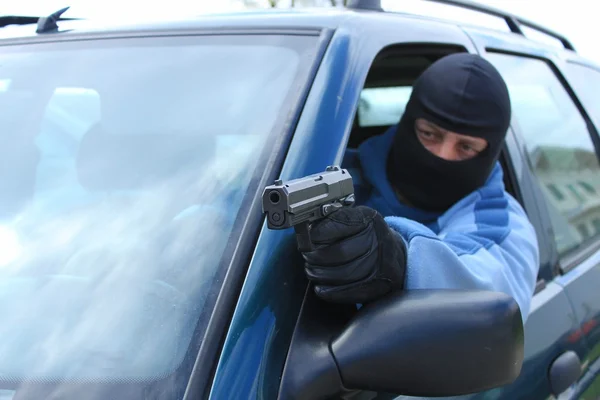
(586, 82)
(559, 145)
(381, 106)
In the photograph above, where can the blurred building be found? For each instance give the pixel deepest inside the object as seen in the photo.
(571, 181)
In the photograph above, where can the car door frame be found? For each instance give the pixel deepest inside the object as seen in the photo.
(364, 43)
(320, 139)
(248, 226)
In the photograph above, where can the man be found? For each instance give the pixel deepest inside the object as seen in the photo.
(436, 214)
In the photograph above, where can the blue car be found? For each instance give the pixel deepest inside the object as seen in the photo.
(135, 258)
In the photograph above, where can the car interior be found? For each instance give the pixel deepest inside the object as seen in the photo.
(391, 77)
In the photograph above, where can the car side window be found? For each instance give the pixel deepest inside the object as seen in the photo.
(559, 146)
(379, 106)
(586, 83)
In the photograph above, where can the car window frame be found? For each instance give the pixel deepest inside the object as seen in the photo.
(367, 48)
(564, 263)
(573, 260)
(511, 158)
(200, 382)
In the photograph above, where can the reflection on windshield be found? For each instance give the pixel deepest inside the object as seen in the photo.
(125, 165)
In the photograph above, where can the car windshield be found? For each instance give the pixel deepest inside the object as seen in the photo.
(124, 165)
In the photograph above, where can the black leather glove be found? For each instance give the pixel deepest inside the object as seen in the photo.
(356, 258)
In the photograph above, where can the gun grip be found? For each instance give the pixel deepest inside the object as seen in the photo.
(303, 237)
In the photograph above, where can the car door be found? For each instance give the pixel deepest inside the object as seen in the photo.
(564, 161)
(549, 133)
(584, 78)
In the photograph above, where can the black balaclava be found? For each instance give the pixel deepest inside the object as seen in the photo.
(462, 93)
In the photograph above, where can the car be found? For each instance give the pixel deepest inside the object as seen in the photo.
(136, 259)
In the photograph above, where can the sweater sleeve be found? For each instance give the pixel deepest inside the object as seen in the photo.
(486, 242)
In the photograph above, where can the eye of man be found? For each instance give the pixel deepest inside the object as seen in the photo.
(433, 137)
(430, 135)
(472, 147)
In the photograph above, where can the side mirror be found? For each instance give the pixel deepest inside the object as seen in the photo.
(419, 343)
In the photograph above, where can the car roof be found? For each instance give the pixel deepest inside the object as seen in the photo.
(253, 18)
(303, 18)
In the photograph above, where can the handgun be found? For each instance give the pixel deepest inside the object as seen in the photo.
(297, 203)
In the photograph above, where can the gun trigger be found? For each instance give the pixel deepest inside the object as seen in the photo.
(329, 208)
(349, 200)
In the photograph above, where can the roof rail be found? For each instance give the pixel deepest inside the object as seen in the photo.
(514, 23)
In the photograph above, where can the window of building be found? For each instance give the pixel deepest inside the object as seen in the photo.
(587, 187)
(555, 191)
(575, 193)
(596, 225)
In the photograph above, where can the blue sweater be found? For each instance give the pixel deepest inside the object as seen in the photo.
(485, 241)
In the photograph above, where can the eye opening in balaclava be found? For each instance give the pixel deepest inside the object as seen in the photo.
(431, 136)
(461, 93)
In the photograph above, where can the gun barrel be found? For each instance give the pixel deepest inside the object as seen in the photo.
(300, 200)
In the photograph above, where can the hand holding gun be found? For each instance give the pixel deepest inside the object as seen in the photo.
(298, 202)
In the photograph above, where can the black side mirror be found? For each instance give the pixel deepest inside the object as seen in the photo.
(419, 343)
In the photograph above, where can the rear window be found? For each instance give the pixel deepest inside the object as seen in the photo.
(381, 106)
(123, 167)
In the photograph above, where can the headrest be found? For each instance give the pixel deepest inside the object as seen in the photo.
(129, 161)
(19, 160)
(19, 154)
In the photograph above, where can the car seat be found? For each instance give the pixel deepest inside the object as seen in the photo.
(351, 162)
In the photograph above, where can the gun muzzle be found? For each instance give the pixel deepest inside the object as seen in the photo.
(287, 204)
